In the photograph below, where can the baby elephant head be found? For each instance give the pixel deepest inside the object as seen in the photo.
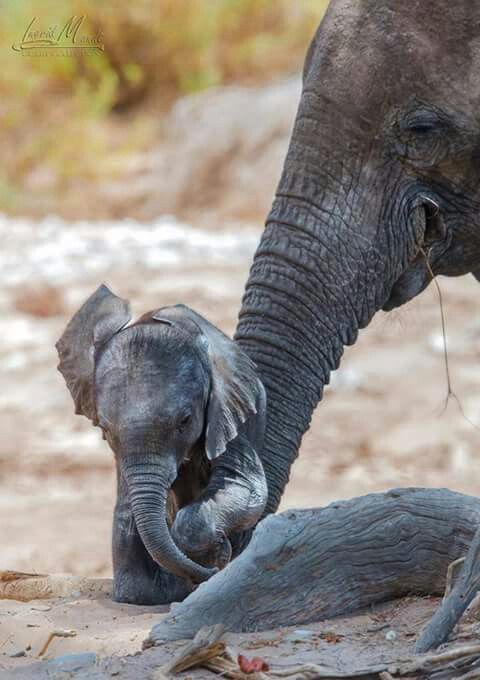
(162, 390)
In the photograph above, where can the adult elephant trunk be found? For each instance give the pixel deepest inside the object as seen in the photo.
(326, 262)
(148, 479)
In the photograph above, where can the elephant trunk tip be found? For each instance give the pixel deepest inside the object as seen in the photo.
(148, 486)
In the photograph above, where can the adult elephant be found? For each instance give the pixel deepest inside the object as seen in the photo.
(380, 189)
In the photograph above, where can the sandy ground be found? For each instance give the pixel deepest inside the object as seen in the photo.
(381, 424)
(93, 622)
(104, 639)
(87, 622)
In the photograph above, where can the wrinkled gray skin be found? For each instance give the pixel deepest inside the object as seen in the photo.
(170, 392)
(202, 528)
(383, 169)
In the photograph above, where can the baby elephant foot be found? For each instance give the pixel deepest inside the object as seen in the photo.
(158, 587)
(200, 539)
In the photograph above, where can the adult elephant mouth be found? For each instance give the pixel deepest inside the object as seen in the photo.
(420, 271)
(412, 282)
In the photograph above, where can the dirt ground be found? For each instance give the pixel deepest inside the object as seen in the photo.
(106, 629)
(97, 639)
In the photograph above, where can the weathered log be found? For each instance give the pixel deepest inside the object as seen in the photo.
(308, 565)
(454, 605)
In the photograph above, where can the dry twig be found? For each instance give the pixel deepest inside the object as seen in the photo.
(54, 634)
(451, 394)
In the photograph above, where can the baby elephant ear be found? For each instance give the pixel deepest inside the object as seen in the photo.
(99, 318)
(234, 391)
(233, 394)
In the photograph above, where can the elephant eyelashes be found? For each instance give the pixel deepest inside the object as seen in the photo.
(184, 421)
(424, 120)
(424, 137)
(421, 129)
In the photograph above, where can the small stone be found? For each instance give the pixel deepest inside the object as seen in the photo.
(41, 608)
(299, 635)
(17, 655)
(115, 666)
(390, 635)
(303, 633)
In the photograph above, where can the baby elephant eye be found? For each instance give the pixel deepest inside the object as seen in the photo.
(184, 421)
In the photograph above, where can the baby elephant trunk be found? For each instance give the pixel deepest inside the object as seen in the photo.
(149, 478)
(233, 502)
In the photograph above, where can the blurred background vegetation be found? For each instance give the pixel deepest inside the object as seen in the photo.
(78, 119)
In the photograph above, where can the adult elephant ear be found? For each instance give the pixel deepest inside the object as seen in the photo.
(99, 318)
(235, 387)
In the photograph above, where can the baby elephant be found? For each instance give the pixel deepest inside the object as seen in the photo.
(184, 413)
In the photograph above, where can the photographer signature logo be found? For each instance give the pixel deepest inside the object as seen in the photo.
(59, 40)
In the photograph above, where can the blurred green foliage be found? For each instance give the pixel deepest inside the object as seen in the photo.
(56, 109)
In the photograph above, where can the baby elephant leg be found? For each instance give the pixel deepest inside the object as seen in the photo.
(137, 579)
(233, 501)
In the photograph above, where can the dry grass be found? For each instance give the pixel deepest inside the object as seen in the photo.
(40, 301)
(59, 115)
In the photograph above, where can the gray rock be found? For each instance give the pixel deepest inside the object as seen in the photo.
(73, 662)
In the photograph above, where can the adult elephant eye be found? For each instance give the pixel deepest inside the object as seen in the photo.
(422, 121)
(420, 141)
(421, 129)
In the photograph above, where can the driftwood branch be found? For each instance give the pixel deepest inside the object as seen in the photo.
(456, 602)
(307, 565)
(205, 645)
(452, 573)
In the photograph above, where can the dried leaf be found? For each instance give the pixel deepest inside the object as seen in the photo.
(255, 665)
(331, 637)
